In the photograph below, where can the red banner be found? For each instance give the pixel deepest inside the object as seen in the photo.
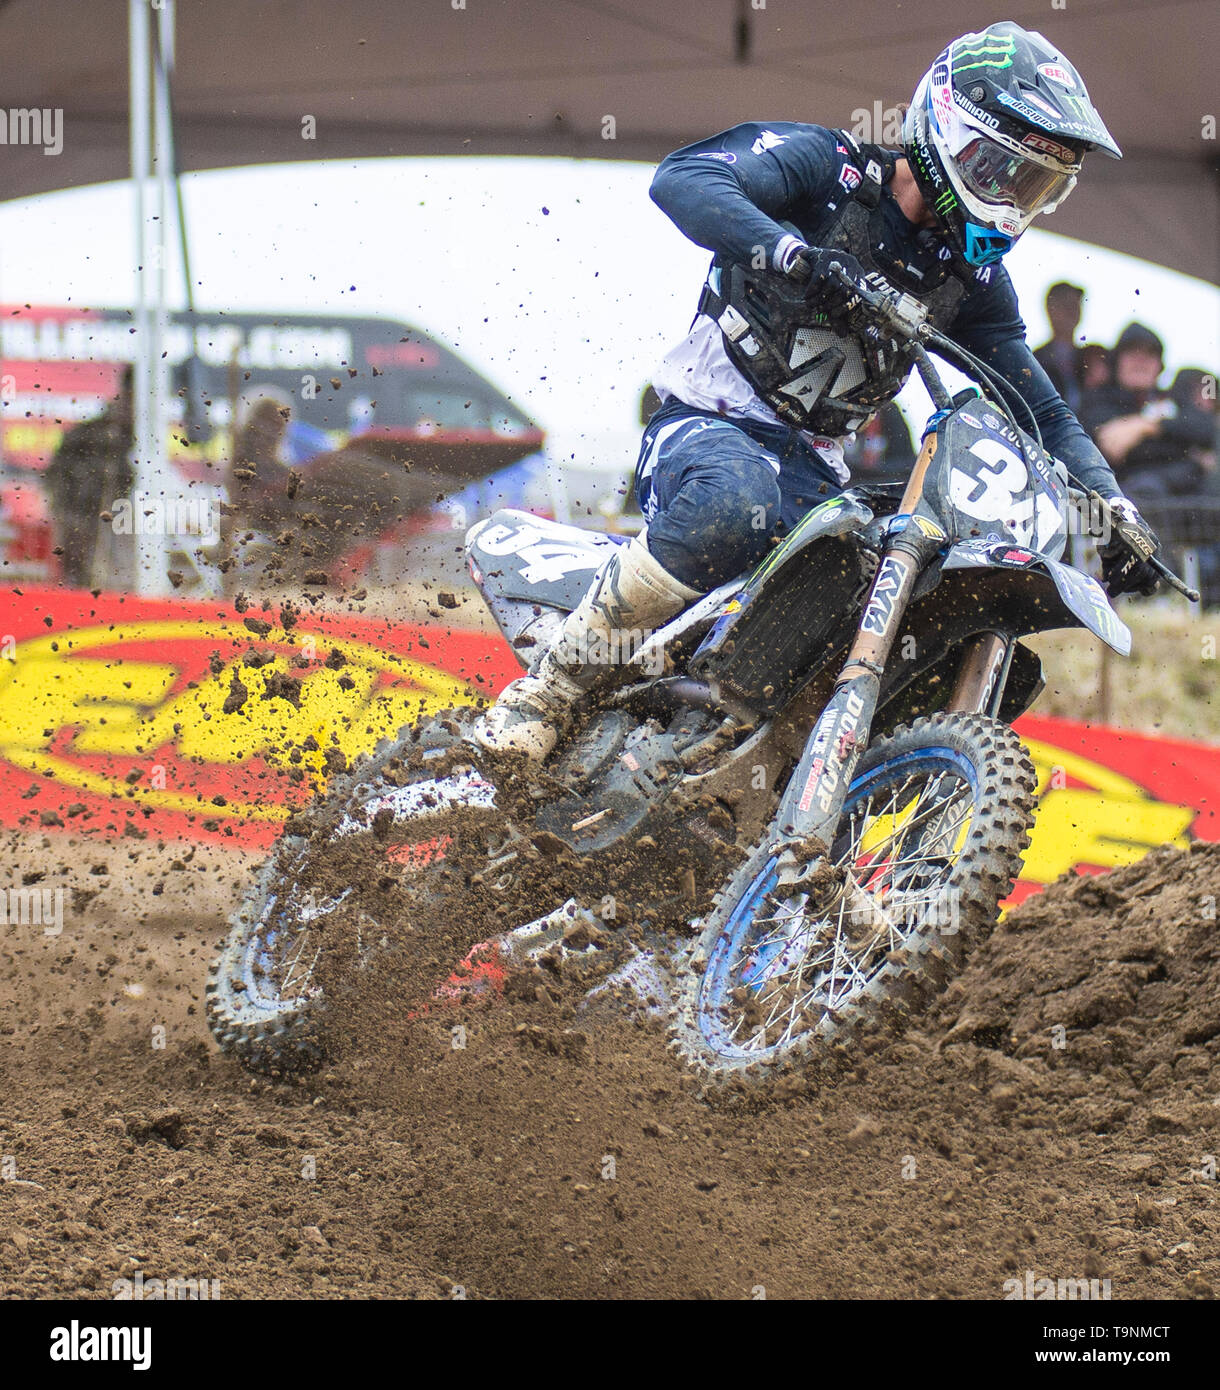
(1108, 796)
(194, 721)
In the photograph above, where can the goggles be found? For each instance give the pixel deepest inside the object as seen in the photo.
(999, 176)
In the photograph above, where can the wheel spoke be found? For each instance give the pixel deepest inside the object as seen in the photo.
(800, 961)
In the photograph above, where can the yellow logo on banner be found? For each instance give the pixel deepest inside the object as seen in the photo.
(1110, 821)
(123, 707)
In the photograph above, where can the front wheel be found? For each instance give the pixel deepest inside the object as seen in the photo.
(797, 960)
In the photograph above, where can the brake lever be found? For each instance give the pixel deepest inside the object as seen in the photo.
(862, 291)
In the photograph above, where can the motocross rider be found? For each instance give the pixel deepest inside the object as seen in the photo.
(778, 370)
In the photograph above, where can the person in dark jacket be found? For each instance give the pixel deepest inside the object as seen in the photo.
(757, 405)
(1095, 367)
(1060, 356)
(1156, 445)
(1195, 389)
(90, 471)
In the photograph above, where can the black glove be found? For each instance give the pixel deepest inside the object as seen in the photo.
(811, 266)
(1124, 557)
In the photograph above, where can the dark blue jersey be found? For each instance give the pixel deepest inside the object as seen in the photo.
(730, 194)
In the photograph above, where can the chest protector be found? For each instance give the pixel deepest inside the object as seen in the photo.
(778, 338)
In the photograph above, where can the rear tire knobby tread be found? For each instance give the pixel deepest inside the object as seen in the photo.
(983, 876)
(290, 1041)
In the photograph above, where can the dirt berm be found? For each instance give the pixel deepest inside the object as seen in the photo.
(1054, 1114)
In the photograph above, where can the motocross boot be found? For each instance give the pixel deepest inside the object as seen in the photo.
(631, 597)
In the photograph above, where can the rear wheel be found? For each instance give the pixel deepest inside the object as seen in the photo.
(798, 959)
(387, 828)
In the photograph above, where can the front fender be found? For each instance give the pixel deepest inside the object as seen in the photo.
(1079, 594)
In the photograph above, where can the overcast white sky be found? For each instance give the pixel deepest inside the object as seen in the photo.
(558, 279)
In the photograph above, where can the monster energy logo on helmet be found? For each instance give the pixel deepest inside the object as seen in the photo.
(995, 135)
(991, 53)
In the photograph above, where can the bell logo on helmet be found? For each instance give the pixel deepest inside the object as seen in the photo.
(1057, 73)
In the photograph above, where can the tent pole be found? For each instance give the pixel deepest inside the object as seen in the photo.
(168, 514)
(152, 512)
(144, 441)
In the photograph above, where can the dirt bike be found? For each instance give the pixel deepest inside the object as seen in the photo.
(805, 789)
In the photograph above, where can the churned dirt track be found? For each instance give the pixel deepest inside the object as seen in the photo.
(966, 1154)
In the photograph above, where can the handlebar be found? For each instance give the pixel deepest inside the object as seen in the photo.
(1173, 581)
(901, 314)
(905, 318)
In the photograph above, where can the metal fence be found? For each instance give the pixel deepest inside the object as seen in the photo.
(1189, 530)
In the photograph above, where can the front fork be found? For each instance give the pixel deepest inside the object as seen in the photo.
(813, 802)
(983, 673)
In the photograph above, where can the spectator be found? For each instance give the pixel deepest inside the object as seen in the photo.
(1156, 447)
(1195, 389)
(1059, 357)
(260, 478)
(91, 470)
(1094, 367)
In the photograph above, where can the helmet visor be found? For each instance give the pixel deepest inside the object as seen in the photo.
(999, 176)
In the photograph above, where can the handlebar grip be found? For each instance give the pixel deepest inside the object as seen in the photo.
(1173, 581)
(800, 270)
